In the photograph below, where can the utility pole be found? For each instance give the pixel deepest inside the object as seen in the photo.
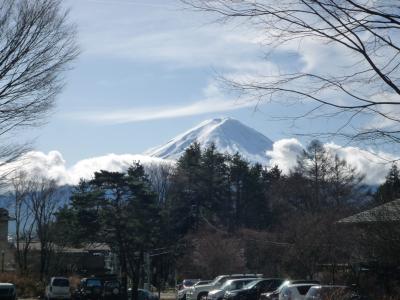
(147, 268)
(2, 261)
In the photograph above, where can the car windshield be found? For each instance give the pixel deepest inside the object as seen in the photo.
(62, 282)
(202, 282)
(216, 280)
(189, 282)
(112, 284)
(93, 283)
(285, 283)
(251, 284)
(235, 285)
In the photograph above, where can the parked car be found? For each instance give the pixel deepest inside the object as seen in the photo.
(295, 291)
(98, 288)
(253, 290)
(89, 289)
(58, 288)
(229, 285)
(274, 295)
(8, 291)
(184, 286)
(112, 290)
(201, 291)
(187, 283)
(143, 294)
(181, 294)
(328, 292)
(202, 282)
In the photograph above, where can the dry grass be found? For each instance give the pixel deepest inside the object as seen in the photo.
(27, 287)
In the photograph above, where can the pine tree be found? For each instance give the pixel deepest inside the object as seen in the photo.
(184, 199)
(214, 187)
(390, 189)
(119, 209)
(238, 173)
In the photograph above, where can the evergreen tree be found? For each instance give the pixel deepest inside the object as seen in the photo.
(214, 187)
(238, 173)
(184, 199)
(272, 188)
(118, 209)
(256, 208)
(390, 189)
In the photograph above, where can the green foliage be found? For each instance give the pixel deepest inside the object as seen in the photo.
(120, 210)
(219, 190)
(390, 189)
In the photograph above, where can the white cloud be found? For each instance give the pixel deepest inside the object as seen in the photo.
(130, 115)
(52, 165)
(284, 154)
(374, 165)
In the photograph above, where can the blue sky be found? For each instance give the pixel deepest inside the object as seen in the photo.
(142, 58)
(149, 70)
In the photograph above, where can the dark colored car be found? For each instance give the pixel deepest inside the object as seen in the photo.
(112, 290)
(8, 291)
(97, 288)
(143, 295)
(327, 292)
(274, 295)
(254, 289)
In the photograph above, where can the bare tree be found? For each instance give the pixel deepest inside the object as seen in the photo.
(44, 201)
(159, 175)
(24, 223)
(37, 44)
(211, 254)
(365, 86)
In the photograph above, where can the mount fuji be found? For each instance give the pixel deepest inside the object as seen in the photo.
(227, 134)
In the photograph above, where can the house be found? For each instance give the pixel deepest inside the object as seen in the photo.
(7, 260)
(88, 259)
(388, 213)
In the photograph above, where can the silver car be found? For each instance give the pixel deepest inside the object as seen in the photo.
(229, 285)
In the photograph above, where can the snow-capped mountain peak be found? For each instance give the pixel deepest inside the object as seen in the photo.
(229, 136)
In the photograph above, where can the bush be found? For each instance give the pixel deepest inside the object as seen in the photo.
(27, 287)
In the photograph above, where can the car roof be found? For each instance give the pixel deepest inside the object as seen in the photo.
(330, 286)
(241, 279)
(302, 284)
(6, 284)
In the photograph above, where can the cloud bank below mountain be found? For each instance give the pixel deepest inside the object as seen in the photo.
(284, 154)
(374, 165)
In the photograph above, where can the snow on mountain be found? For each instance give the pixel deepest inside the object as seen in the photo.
(228, 135)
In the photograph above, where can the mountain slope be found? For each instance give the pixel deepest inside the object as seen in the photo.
(228, 135)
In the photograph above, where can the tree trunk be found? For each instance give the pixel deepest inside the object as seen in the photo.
(124, 276)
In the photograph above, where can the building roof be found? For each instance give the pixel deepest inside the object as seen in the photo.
(388, 212)
(92, 247)
(4, 216)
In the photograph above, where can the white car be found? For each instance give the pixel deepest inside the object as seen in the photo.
(58, 289)
(295, 291)
(229, 285)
